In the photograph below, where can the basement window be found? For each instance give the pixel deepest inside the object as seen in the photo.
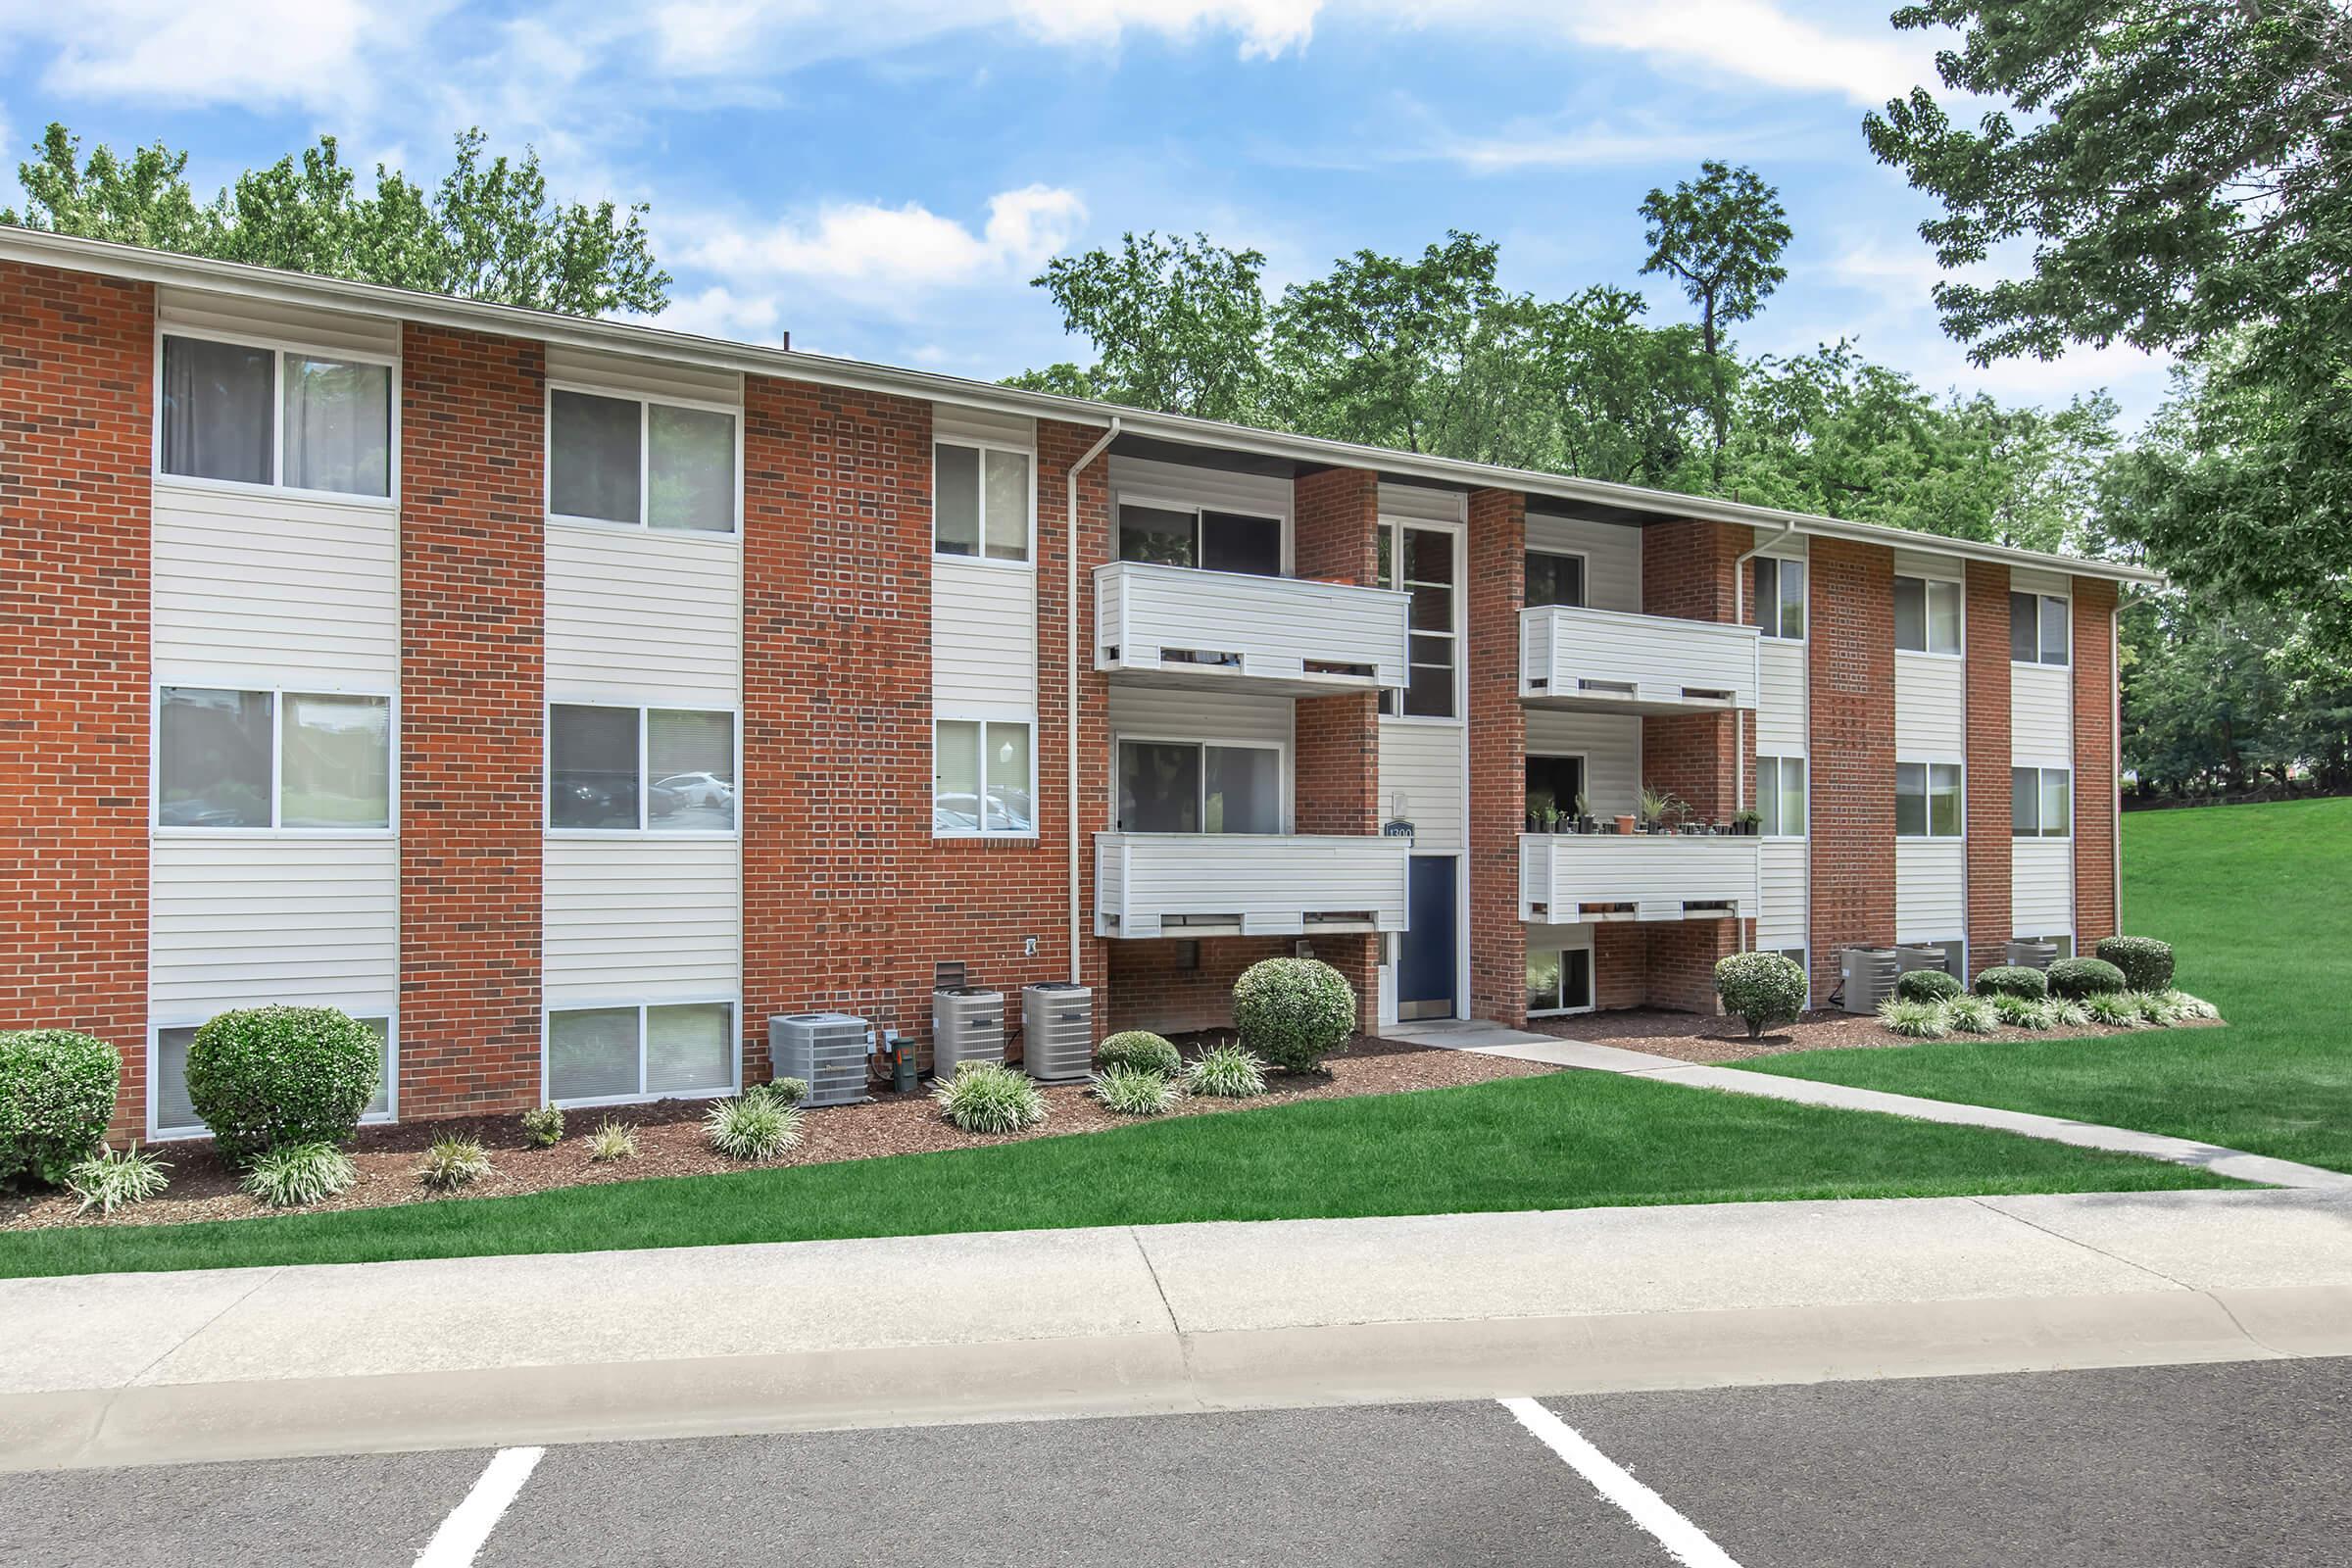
(171, 1114)
(607, 1056)
(244, 413)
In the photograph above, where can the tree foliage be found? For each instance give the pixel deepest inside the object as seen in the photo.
(1721, 239)
(1179, 323)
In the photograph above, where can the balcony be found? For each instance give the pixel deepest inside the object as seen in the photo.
(1565, 878)
(1609, 661)
(1222, 630)
(1247, 884)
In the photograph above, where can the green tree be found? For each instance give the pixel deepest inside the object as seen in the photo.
(1177, 325)
(489, 231)
(2182, 175)
(1721, 239)
(1622, 397)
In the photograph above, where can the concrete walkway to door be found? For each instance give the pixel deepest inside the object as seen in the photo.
(1495, 1040)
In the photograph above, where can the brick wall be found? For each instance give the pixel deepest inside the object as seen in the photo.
(1688, 569)
(1152, 986)
(473, 679)
(2096, 765)
(1497, 580)
(1850, 671)
(1988, 796)
(75, 498)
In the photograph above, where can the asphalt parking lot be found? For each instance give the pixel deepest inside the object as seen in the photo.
(2219, 1465)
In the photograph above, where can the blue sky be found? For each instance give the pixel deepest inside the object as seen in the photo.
(882, 178)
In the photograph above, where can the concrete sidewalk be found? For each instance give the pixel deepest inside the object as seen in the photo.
(135, 1368)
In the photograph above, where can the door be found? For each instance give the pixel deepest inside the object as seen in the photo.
(1429, 960)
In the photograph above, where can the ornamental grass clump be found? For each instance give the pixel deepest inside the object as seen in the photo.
(543, 1128)
(2013, 980)
(1293, 1013)
(2146, 964)
(57, 1094)
(2154, 1008)
(1928, 985)
(291, 1175)
(1142, 1050)
(1134, 1092)
(987, 1096)
(1760, 989)
(2187, 1006)
(612, 1142)
(2077, 978)
(2019, 1012)
(754, 1127)
(116, 1178)
(2117, 1009)
(1970, 1015)
(1226, 1072)
(1914, 1020)
(263, 1078)
(454, 1162)
(2063, 1012)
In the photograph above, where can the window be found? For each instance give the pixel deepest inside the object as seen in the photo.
(174, 1116)
(256, 416)
(1559, 982)
(2042, 802)
(1429, 576)
(640, 770)
(981, 778)
(1554, 579)
(273, 760)
(1554, 784)
(1927, 615)
(1781, 796)
(642, 463)
(1780, 596)
(2037, 629)
(1927, 800)
(600, 1055)
(1190, 787)
(1214, 541)
(980, 502)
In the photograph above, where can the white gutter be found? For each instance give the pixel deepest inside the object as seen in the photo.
(1069, 612)
(1740, 715)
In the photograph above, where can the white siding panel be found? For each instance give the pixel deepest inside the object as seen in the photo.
(1421, 774)
(1612, 556)
(2041, 721)
(1923, 563)
(1144, 479)
(252, 921)
(650, 617)
(1611, 744)
(1930, 890)
(2041, 886)
(2025, 580)
(1781, 715)
(228, 315)
(646, 378)
(1783, 865)
(1419, 503)
(954, 422)
(257, 588)
(1931, 717)
(1272, 884)
(638, 919)
(983, 639)
(1175, 713)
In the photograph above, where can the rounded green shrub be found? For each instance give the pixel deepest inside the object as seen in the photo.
(2075, 979)
(987, 1096)
(1140, 1050)
(543, 1128)
(1760, 989)
(2013, 980)
(1294, 1011)
(265, 1077)
(57, 1094)
(1927, 985)
(2146, 964)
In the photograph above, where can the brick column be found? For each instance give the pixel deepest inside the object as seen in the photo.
(1988, 795)
(1849, 661)
(74, 499)
(2097, 768)
(472, 563)
(1497, 578)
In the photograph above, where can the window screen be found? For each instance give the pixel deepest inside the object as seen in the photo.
(689, 1049)
(595, 446)
(592, 1054)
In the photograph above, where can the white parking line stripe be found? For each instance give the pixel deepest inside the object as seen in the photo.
(470, 1522)
(1684, 1541)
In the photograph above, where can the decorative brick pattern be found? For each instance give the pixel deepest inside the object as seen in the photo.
(75, 497)
(1496, 577)
(2097, 766)
(1850, 670)
(1989, 863)
(472, 563)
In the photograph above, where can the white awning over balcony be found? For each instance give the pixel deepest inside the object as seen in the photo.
(1247, 884)
(1284, 636)
(1609, 661)
(1565, 878)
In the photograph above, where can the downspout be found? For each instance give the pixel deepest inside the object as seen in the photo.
(1069, 612)
(1740, 715)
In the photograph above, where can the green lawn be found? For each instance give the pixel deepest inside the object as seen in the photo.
(2257, 902)
(1566, 1140)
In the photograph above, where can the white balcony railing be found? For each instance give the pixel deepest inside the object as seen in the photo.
(1607, 661)
(1279, 635)
(1247, 884)
(1565, 878)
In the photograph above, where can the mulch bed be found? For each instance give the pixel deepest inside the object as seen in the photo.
(1695, 1037)
(669, 1140)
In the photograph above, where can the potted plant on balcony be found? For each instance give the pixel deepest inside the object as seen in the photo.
(1657, 806)
(1584, 814)
(1747, 823)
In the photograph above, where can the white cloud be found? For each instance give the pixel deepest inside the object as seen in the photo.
(1267, 27)
(1761, 42)
(250, 52)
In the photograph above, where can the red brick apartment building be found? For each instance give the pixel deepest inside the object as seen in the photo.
(568, 697)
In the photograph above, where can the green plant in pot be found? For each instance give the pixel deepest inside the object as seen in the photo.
(1584, 814)
(1748, 823)
(1657, 807)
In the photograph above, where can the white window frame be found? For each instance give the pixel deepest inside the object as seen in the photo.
(1775, 762)
(277, 748)
(1583, 767)
(1028, 560)
(1591, 978)
(180, 1019)
(1584, 558)
(2041, 835)
(2037, 662)
(1285, 822)
(1167, 503)
(1459, 633)
(547, 1016)
(1928, 797)
(953, 716)
(1932, 586)
(1768, 616)
(547, 772)
(645, 401)
(278, 348)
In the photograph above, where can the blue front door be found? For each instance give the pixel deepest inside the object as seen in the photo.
(1426, 968)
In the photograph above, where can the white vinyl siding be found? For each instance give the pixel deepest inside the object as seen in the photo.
(2042, 886)
(1175, 713)
(251, 588)
(1416, 503)
(1783, 677)
(1930, 705)
(244, 921)
(1421, 779)
(1783, 868)
(233, 316)
(2042, 720)
(651, 617)
(1610, 745)
(660, 380)
(1612, 556)
(652, 918)
(1930, 889)
(1142, 481)
(983, 639)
